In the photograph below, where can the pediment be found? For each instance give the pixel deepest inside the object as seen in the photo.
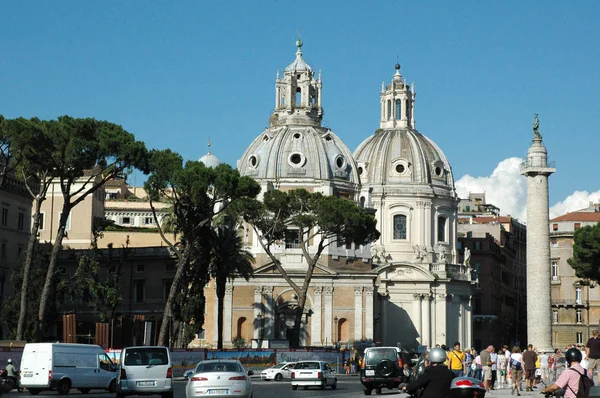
(404, 272)
(269, 268)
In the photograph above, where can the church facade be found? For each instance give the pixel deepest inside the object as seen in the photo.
(409, 287)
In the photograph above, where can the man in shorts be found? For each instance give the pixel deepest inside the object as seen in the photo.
(486, 366)
(529, 359)
(592, 349)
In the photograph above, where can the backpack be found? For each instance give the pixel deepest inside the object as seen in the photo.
(585, 384)
(514, 364)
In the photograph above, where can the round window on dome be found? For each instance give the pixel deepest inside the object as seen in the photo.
(400, 168)
(297, 136)
(253, 161)
(340, 162)
(360, 170)
(438, 171)
(296, 159)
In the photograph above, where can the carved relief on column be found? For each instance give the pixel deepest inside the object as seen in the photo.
(257, 311)
(358, 313)
(328, 321)
(269, 315)
(316, 324)
(368, 313)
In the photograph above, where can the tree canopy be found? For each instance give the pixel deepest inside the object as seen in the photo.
(197, 194)
(586, 253)
(316, 221)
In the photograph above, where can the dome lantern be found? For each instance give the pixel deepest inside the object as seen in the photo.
(397, 104)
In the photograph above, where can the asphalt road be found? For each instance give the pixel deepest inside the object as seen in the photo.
(349, 387)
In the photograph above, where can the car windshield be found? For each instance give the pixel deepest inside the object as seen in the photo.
(218, 367)
(375, 356)
(281, 365)
(308, 365)
(144, 356)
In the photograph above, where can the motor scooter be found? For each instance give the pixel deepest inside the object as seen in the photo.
(462, 387)
(10, 383)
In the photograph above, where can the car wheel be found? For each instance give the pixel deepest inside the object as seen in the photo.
(334, 386)
(294, 387)
(323, 384)
(34, 391)
(63, 387)
(367, 392)
(278, 377)
(85, 390)
(385, 368)
(378, 391)
(112, 387)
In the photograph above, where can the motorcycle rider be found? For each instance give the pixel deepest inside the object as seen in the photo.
(11, 371)
(568, 382)
(435, 380)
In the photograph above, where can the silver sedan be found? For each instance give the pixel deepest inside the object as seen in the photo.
(219, 378)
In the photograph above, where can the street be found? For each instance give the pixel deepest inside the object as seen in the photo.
(347, 387)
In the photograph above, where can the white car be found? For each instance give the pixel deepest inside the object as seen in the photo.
(219, 378)
(278, 372)
(313, 373)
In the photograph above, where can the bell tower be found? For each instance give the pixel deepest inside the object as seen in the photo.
(297, 94)
(397, 103)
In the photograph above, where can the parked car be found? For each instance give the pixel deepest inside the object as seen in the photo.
(219, 378)
(278, 372)
(59, 366)
(313, 373)
(381, 367)
(145, 370)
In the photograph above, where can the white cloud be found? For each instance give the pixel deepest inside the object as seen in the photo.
(576, 201)
(505, 188)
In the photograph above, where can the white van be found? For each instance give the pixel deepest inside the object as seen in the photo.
(59, 366)
(145, 370)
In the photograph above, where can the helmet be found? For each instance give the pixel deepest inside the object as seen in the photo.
(437, 355)
(9, 360)
(573, 355)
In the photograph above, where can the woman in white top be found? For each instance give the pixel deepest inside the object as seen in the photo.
(516, 367)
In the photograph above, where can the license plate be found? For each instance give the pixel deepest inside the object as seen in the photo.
(217, 392)
(28, 375)
(369, 373)
(146, 383)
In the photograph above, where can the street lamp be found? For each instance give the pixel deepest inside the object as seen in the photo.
(337, 334)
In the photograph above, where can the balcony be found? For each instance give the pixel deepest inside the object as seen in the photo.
(570, 303)
(453, 271)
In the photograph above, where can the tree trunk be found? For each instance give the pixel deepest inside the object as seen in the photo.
(27, 266)
(298, 317)
(220, 297)
(182, 263)
(60, 234)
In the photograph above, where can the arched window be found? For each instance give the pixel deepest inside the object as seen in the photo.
(241, 328)
(399, 226)
(398, 109)
(298, 96)
(343, 330)
(389, 109)
(441, 229)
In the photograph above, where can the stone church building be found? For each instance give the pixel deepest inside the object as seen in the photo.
(412, 287)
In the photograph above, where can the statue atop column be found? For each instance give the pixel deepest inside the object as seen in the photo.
(536, 127)
(467, 259)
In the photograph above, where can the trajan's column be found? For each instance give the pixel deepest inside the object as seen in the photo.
(539, 311)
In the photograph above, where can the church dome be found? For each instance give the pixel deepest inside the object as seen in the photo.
(296, 147)
(397, 154)
(402, 156)
(210, 160)
(298, 152)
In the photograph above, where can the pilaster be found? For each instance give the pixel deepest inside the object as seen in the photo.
(328, 293)
(269, 316)
(417, 311)
(426, 308)
(358, 313)
(227, 315)
(316, 324)
(369, 313)
(257, 311)
(440, 315)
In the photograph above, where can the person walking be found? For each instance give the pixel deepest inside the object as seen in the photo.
(486, 366)
(592, 349)
(436, 380)
(529, 360)
(569, 379)
(501, 369)
(494, 357)
(516, 369)
(477, 365)
(456, 360)
(468, 362)
(545, 367)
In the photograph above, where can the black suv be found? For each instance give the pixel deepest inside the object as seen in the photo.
(381, 367)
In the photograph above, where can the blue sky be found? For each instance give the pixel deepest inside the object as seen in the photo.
(177, 73)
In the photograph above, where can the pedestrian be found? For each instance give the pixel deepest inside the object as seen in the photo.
(486, 366)
(507, 353)
(477, 366)
(529, 360)
(592, 349)
(501, 369)
(456, 361)
(569, 380)
(545, 367)
(494, 357)
(516, 369)
(468, 362)
(353, 365)
(347, 366)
